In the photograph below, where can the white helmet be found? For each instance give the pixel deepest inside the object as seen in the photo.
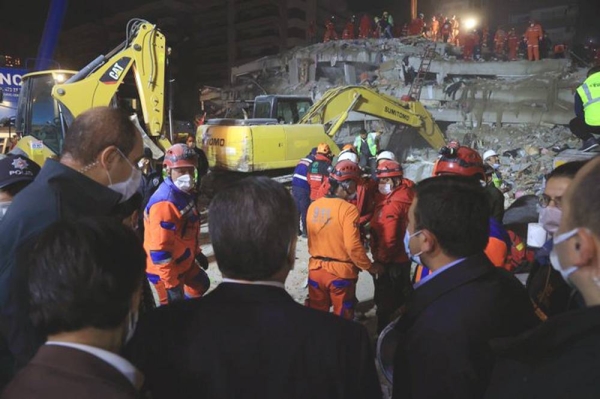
(348, 156)
(386, 155)
(489, 153)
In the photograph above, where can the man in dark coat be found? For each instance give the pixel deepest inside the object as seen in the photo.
(559, 359)
(249, 338)
(84, 285)
(443, 349)
(95, 173)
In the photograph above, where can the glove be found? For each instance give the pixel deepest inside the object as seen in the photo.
(175, 294)
(202, 260)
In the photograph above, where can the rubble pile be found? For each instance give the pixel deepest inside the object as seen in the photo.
(526, 152)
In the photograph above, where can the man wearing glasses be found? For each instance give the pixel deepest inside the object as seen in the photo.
(548, 290)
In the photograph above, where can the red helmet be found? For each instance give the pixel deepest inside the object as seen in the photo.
(463, 161)
(180, 156)
(344, 171)
(387, 168)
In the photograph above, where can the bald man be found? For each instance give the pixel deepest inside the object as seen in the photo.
(95, 173)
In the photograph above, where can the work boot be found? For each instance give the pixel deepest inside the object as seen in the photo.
(589, 144)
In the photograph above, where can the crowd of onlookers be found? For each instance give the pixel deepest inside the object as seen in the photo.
(103, 288)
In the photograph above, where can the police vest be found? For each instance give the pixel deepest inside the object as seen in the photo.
(589, 92)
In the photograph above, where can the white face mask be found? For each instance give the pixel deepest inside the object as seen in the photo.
(184, 183)
(550, 218)
(385, 188)
(128, 187)
(3, 208)
(416, 257)
(554, 259)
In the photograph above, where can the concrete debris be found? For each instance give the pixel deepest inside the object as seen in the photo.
(527, 153)
(454, 90)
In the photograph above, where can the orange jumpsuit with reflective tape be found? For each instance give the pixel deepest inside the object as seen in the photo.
(172, 224)
(337, 255)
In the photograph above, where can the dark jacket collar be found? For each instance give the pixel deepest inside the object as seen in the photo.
(76, 189)
(462, 273)
(77, 362)
(556, 332)
(251, 293)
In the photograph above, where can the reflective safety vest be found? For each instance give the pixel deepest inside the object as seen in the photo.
(589, 92)
(370, 141)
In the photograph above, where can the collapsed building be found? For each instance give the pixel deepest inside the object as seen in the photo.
(517, 108)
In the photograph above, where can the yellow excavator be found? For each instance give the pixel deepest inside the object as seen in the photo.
(50, 100)
(260, 145)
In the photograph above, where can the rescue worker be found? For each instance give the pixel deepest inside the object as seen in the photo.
(500, 42)
(533, 35)
(348, 32)
(388, 226)
(416, 26)
(587, 110)
(559, 50)
(469, 46)
(384, 28)
(466, 161)
(151, 180)
(330, 33)
(491, 158)
(455, 25)
(16, 173)
(364, 30)
(376, 34)
(385, 156)
(387, 32)
(336, 251)
(366, 146)
(495, 195)
(318, 170)
(435, 28)
(172, 225)
(446, 31)
(301, 188)
(513, 44)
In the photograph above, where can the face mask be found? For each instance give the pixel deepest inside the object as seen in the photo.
(141, 163)
(496, 166)
(555, 261)
(550, 218)
(416, 257)
(184, 183)
(128, 187)
(3, 208)
(132, 321)
(385, 189)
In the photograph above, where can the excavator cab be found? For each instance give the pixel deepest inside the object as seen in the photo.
(38, 118)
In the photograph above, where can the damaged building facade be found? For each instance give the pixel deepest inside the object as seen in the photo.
(517, 108)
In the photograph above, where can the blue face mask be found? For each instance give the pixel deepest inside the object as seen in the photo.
(416, 257)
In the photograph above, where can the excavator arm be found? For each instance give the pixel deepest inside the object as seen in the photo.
(145, 51)
(337, 103)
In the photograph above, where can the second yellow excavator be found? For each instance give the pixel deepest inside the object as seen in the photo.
(259, 145)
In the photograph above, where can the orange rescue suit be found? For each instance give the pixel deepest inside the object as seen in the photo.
(533, 35)
(389, 222)
(334, 240)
